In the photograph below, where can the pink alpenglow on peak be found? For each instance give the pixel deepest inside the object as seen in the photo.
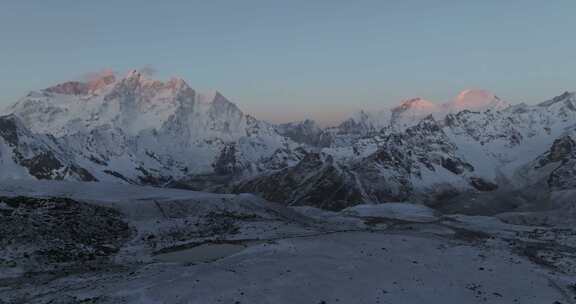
(92, 83)
(476, 100)
(410, 111)
(414, 109)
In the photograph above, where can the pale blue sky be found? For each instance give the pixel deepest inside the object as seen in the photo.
(285, 60)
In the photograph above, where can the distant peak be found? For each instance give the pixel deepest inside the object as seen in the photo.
(475, 96)
(476, 100)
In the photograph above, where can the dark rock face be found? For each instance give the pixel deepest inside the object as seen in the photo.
(43, 166)
(227, 162)
(150, 178)
(38, 231)
(561, 159)
(451, 166)
(118, 175)
(9, 130)
(46, 166)
(561, 149)
(82, 173)
(482, 185)
(315, 181)
(563, 177)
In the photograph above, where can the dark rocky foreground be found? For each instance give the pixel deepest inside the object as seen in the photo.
(164, 246)
(53, 233)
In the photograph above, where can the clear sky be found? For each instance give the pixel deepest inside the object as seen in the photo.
(295, 59)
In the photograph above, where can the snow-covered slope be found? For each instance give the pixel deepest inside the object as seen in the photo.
(25, 155)
(140, 130)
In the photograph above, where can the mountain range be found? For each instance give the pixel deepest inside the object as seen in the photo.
(137, 130)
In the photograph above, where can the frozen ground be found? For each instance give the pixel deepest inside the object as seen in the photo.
(191, 247)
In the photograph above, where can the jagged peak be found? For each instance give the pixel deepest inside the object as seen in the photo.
(136, 77)
(142, 79)
(139, 82)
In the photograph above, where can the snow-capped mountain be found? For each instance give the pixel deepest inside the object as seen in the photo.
(410, 111)
(419, 163)
(140, 130)
(137, 130)
(419, 151)
(475, 100)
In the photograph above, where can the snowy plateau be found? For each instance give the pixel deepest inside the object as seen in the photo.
(134, 190)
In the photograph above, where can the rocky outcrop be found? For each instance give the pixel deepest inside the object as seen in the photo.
(38, 233)
(315, 181)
